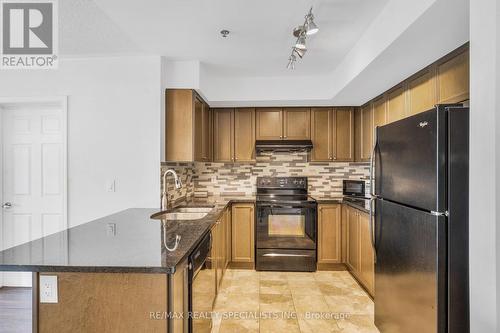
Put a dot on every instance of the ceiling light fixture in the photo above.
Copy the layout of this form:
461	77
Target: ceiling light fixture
224	33
301	32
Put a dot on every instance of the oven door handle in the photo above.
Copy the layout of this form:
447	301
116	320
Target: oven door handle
288	206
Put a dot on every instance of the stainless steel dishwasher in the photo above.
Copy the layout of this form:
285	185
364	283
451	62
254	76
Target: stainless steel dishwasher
202	283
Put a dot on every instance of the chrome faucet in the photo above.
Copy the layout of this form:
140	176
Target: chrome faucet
178	185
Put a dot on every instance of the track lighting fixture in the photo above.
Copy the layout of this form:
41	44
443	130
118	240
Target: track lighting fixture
301	32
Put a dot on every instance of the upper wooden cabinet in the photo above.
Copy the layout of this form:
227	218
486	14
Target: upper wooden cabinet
223	135
329	234
422	91
396	104
283	124
453	78
244	135
234	135
269	123
187	126
366	115
357	134
296	123
332	134
379	114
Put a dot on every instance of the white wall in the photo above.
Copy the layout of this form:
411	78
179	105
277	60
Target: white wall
113	129
484	164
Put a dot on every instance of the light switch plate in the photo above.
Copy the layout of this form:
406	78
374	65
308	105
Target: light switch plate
111	185
111	230
48	289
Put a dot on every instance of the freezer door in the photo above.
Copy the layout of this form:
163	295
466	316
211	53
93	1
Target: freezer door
410	161
410	273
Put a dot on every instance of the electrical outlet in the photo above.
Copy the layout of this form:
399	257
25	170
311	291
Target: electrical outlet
48	289
111	186
111	230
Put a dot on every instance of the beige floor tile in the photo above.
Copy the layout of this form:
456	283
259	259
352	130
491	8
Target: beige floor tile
304	287
243	285
352	305
310	303
276	303
237	302
358	324
274	287
239	326
300	276
318	325
279	325
273	276
239	273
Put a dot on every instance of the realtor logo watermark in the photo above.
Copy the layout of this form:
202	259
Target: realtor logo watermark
29	37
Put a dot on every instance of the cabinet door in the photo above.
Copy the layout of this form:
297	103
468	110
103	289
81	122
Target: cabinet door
242	233
357	135
353	255
269	124
379	114
343	140
219	250
322	134
329	234
206	132
396	104
422	91
453	79
367	264
223	135
198	129
366	132
228	235
244	135
180	297
297	123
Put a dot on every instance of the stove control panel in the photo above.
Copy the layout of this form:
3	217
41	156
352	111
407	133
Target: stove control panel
282	182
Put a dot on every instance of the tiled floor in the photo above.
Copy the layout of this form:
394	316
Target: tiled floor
251	301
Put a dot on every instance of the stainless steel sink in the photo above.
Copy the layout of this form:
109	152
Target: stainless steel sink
183	213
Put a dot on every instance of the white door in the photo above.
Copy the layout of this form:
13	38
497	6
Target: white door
33	177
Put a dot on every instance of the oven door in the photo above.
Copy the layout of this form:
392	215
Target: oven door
286	226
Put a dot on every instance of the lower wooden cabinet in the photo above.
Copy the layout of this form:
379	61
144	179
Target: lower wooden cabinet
360	258
221	241
329	234
242	249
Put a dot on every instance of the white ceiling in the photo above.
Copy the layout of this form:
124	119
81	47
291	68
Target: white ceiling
260	40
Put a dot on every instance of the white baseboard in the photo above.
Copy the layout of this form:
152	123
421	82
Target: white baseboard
17	279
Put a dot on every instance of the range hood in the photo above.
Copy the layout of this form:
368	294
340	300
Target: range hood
283	145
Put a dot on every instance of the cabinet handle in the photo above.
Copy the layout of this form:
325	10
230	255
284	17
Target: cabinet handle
334	157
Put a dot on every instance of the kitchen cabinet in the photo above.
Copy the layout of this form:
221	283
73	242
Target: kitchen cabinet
234	135
366	114
223	135
283	123
360	258
329	234
357	134
269	123
367	258
422	91
296	123
352	225
228	237
379	114
396	104
453	78
180	298
332	134
187	126
244	135
242	249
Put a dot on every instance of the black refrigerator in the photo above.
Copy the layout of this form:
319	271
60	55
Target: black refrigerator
420	196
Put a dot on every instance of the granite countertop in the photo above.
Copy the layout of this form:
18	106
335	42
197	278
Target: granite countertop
137	245
361	204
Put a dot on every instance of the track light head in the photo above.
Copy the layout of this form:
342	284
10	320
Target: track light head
301	42
311	27
291	62
299	52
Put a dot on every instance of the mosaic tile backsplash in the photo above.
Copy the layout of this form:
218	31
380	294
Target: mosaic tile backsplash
226	179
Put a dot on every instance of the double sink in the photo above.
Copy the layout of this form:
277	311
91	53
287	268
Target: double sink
183	213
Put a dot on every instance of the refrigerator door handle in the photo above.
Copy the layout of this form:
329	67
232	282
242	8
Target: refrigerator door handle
372	234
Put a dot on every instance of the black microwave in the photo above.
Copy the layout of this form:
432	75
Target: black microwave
354	187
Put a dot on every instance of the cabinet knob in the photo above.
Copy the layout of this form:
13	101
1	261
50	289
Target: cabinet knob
334	157
285	136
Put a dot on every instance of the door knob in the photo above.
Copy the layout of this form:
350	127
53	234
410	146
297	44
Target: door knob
7	205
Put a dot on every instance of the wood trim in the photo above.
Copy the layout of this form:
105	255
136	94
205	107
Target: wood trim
241	265
35	296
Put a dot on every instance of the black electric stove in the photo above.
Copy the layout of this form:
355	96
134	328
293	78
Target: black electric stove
286	226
